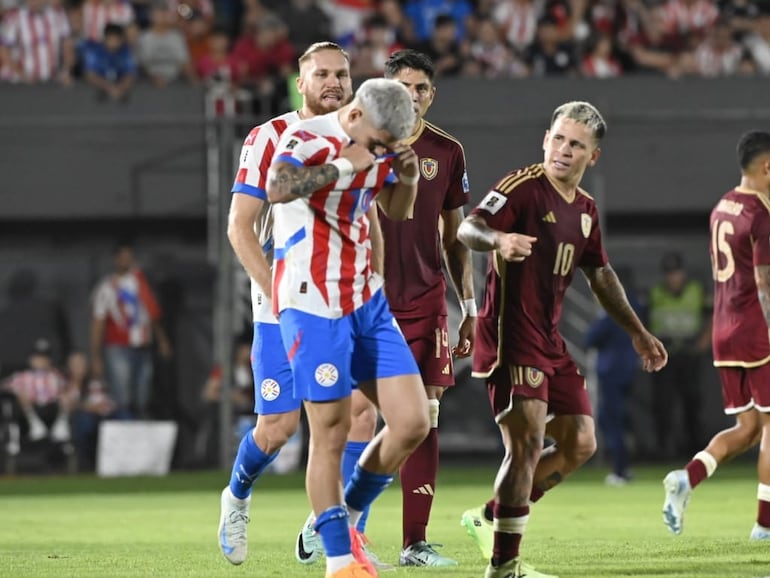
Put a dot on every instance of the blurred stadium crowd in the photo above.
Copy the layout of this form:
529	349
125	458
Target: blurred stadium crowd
251	45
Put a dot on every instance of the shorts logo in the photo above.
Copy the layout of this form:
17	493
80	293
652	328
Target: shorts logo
534	377
269	389
429	168
326	374
585	224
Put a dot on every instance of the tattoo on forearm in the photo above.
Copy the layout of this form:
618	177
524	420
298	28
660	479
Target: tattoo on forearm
302	181
612	296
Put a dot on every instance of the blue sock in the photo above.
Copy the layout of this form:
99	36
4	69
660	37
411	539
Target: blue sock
353	451
249	464
332	525
364	487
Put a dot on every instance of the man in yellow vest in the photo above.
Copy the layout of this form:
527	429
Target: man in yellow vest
679	316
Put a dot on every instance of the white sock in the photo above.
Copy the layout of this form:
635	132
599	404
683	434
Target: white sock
336	563
763	492
707	460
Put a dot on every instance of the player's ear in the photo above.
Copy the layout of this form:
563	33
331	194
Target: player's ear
595	156
300	82
545	138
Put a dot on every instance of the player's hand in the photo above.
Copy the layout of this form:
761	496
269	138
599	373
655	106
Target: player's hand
467	338
651	350
360	156
514	246
405	164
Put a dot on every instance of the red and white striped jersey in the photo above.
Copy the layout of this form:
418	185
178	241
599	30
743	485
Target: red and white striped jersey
518	21
35	41
679	17
98	13
323	250
39	386
256	154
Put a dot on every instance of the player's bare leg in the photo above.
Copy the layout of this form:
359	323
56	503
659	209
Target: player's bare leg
522	428
761	529
257	451
725	445
575	438
418	483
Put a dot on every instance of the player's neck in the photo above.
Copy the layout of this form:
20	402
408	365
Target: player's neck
566	190
751	184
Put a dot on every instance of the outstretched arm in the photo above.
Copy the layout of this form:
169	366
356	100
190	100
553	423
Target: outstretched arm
611	295
762	276
477	235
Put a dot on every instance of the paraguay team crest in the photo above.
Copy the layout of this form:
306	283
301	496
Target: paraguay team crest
269	389
585	224
326	374
429	168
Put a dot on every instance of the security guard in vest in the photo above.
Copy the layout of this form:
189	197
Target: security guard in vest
679	310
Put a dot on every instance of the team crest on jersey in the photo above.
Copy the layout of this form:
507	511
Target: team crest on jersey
429	168
269	389
534	376
326	374
585	224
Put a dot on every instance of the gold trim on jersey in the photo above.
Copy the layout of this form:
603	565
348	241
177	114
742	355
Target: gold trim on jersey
441	132
507	184
416	134
744	364
499	265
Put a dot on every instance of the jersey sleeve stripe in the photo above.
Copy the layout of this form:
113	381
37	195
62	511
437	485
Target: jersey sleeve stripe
286	158
250	190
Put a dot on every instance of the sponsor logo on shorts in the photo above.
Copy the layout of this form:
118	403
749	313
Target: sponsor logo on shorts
269	389
534	377
326	374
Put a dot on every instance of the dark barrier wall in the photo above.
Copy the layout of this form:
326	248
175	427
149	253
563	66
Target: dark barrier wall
670	146
64	154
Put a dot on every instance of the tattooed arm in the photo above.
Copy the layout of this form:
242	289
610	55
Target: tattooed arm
762	276
611	295
287	182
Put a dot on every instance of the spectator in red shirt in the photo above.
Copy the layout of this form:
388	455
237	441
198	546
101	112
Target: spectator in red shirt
266	59
125	323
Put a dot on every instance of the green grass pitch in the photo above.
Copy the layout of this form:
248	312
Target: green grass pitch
82	526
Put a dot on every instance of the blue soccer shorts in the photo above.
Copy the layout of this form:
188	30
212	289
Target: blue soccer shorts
329	357
273	381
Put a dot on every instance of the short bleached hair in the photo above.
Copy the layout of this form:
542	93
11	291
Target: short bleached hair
583	113
388	105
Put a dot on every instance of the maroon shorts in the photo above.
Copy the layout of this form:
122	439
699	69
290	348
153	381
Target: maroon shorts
745	387
428	338
563	388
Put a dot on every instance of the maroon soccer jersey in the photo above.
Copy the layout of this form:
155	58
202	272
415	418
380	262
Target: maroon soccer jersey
414	281
740	239
518	322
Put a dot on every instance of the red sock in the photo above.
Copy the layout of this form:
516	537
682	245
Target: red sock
696	471
536	494
489	510
763	515
418	483
507	543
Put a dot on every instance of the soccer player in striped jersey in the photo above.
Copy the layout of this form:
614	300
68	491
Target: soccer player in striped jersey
335	322
740	261
539	226
325	84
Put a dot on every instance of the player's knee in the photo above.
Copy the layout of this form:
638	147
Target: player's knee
583	448
274	430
